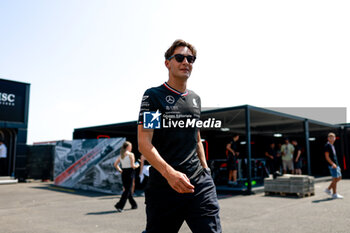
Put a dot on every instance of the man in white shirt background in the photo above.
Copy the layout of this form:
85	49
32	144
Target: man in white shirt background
287	150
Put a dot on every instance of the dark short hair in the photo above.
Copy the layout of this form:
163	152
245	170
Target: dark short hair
179	43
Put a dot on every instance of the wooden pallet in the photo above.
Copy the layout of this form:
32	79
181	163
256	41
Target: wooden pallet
285	194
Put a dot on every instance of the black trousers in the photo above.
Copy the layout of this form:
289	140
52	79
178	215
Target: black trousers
167	210
271	165
3	167
128	175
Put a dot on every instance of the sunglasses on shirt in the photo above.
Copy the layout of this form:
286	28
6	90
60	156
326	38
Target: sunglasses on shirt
180	58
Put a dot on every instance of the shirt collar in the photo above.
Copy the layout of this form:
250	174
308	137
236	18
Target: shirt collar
175	91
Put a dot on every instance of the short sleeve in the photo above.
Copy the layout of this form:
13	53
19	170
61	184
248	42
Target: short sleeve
147	105
200	103
283	148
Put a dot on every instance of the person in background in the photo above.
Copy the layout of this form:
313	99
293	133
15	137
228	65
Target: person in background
279	158
232	155
127	161
297	158
287	151
144	170
271	158
331	158
3	156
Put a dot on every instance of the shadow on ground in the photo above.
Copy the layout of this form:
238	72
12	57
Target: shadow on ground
79	192
107	212
323	200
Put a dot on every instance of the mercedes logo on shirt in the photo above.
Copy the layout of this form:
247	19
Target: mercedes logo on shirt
170	99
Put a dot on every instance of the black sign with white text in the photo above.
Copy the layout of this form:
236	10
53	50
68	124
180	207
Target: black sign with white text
12	101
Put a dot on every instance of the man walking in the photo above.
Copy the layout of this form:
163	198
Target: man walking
331	158
180	187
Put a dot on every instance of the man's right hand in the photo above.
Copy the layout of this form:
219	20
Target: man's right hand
179	182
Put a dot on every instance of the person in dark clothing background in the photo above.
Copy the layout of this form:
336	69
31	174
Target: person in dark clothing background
127	161
297	158
271	158
3	158
232	155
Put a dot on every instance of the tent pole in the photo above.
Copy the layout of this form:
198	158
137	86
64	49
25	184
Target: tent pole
249	156
307	146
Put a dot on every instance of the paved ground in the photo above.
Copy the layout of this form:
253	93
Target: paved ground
42	208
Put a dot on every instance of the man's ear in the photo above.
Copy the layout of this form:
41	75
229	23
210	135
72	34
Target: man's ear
167	64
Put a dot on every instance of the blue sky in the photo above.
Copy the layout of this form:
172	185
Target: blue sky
89	61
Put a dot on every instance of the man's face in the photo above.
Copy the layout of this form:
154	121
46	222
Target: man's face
331	139
182	69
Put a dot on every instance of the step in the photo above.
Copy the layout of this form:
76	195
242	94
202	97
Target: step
8	180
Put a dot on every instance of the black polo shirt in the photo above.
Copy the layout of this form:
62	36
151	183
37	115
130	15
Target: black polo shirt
176	142
297	148
272	152
234	147
332	153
